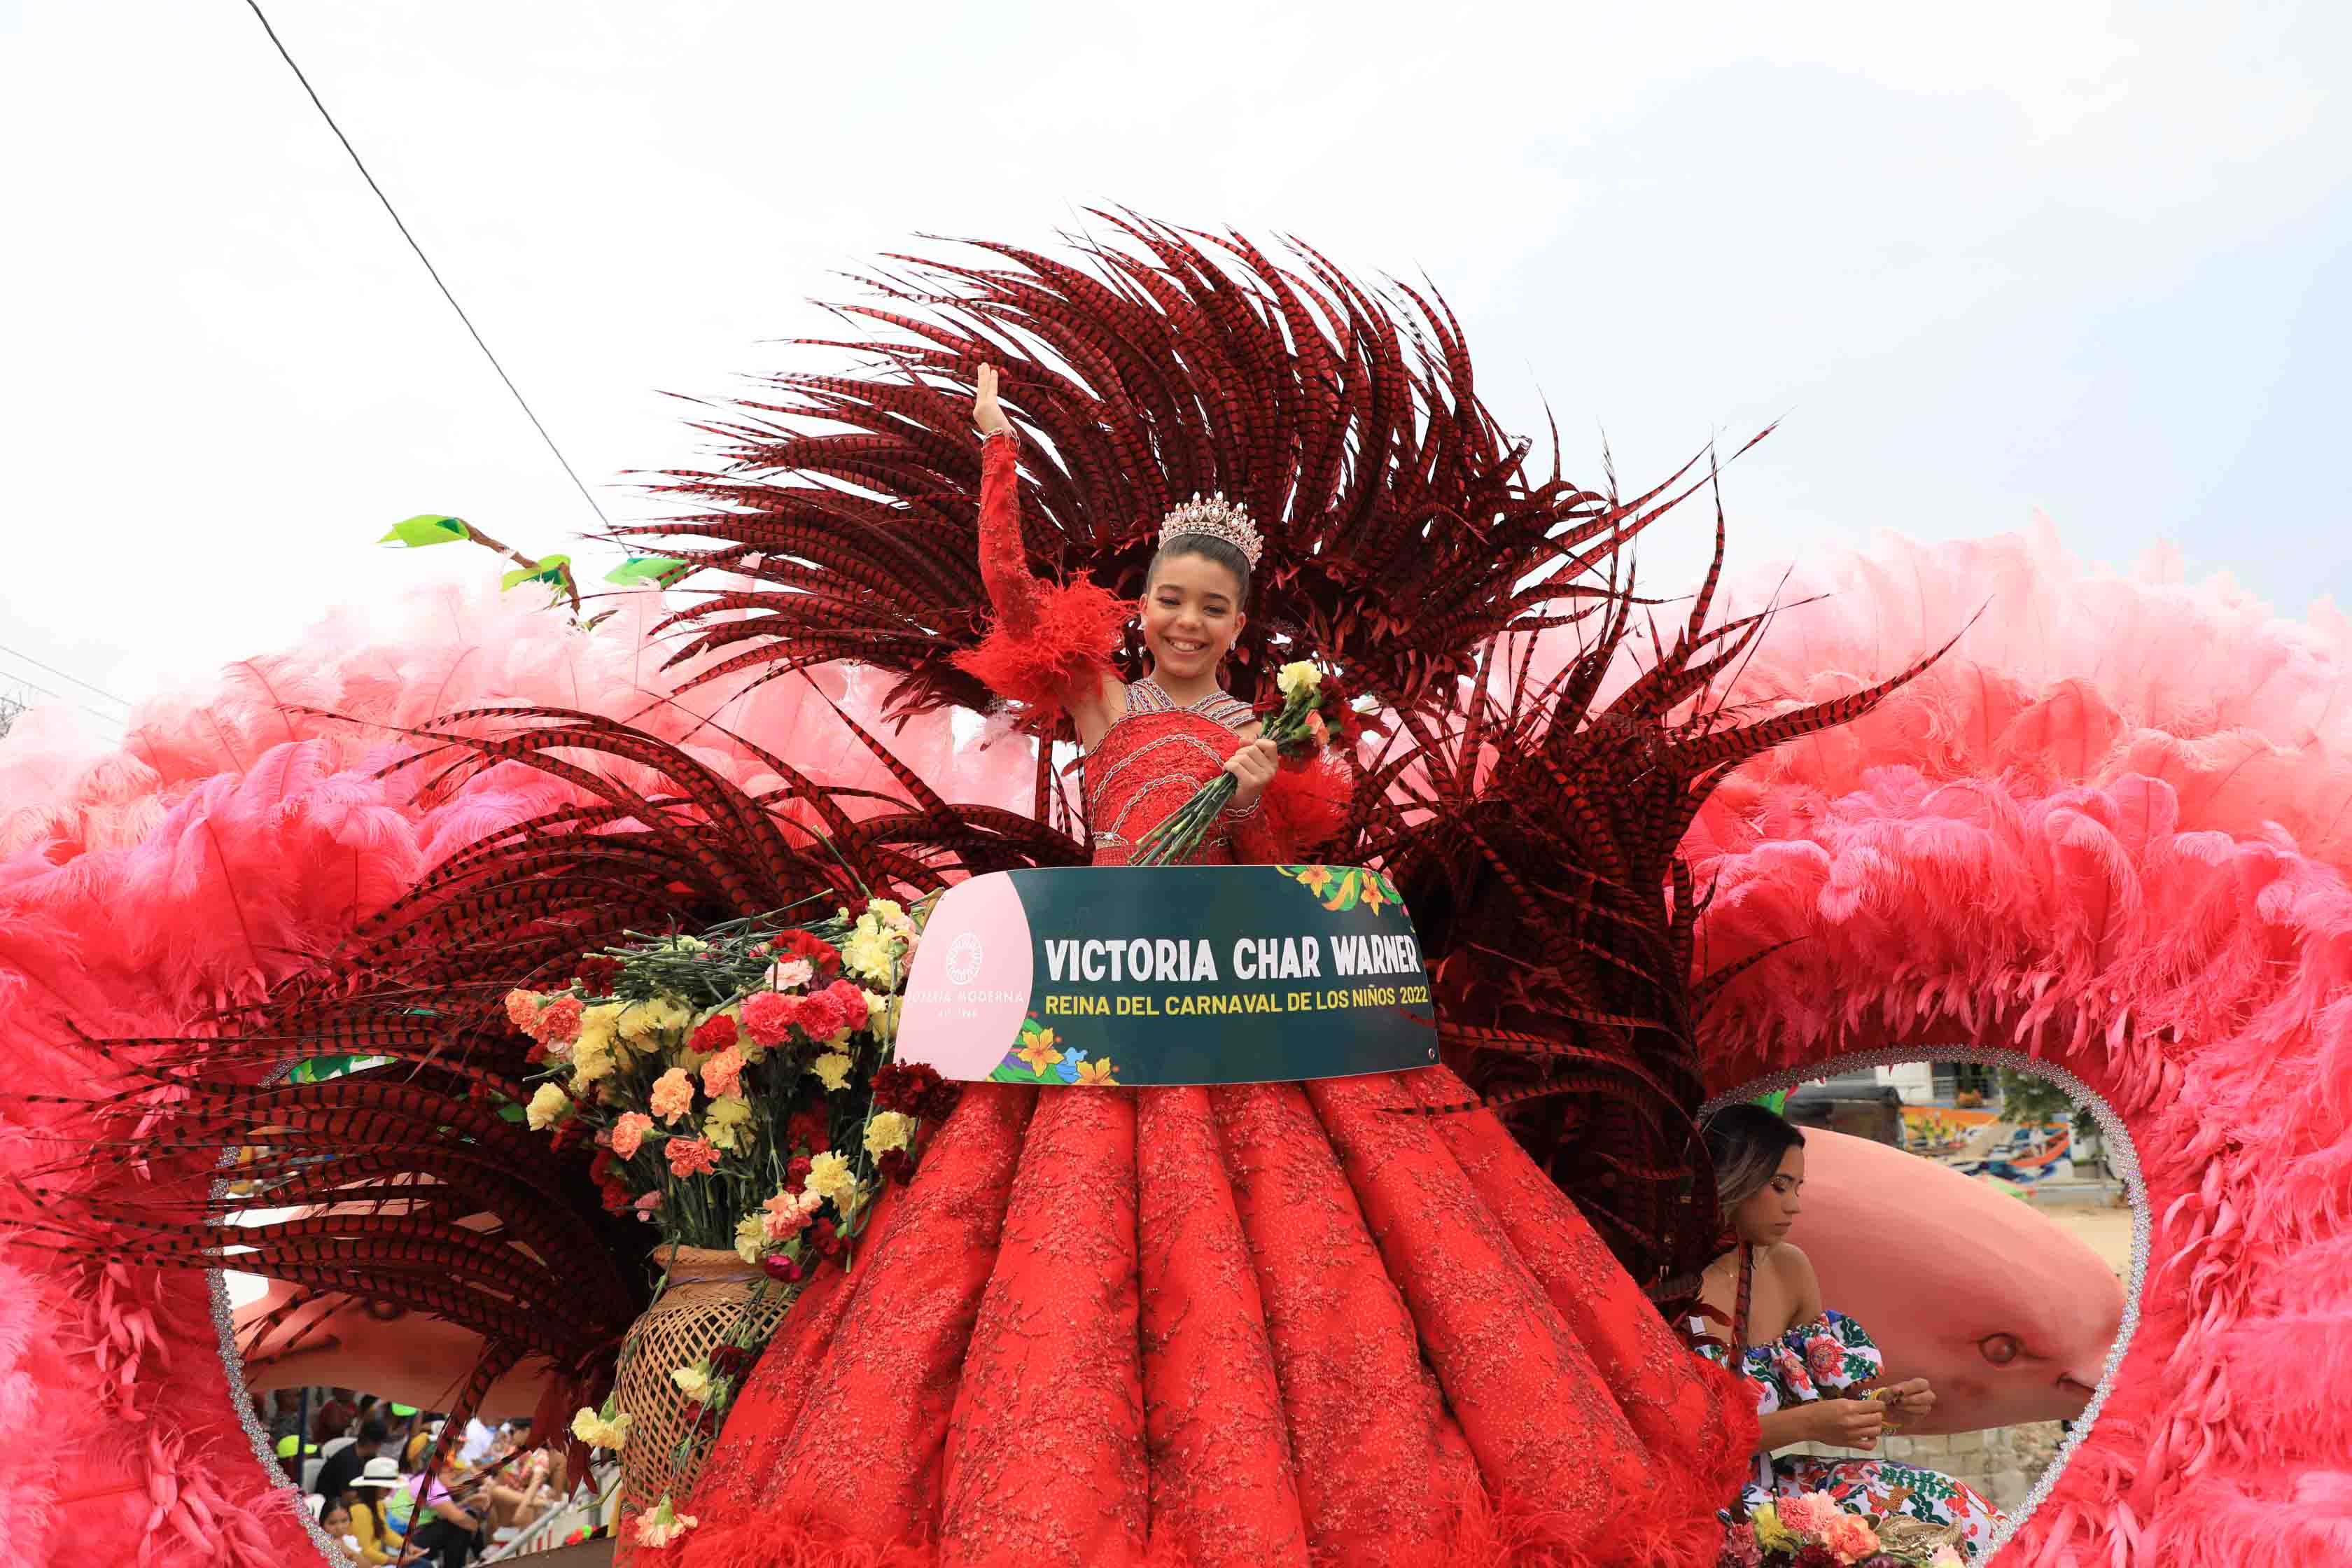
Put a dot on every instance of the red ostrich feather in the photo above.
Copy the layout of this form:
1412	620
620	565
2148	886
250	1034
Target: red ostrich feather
1402	528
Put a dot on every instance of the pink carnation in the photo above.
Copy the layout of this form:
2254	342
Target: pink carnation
1809	1514
723	1074
673	1095
523	1011
770	1017
782	1217
1850	1538
1824	1357
559	1021
790	974
692	1156
629	1133
1739	1548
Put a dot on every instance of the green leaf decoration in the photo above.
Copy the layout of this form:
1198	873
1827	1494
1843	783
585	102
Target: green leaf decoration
1777	1102
512	1112
319	1070
549	571
658	569
425	528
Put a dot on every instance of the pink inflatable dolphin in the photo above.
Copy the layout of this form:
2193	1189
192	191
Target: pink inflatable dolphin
2004	1312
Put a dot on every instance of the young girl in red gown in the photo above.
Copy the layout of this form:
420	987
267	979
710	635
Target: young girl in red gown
1226	1328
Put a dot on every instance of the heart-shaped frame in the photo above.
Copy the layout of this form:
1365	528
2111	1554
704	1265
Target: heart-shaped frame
2198	983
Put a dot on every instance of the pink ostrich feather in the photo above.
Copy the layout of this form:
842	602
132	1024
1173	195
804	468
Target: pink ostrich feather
2109	829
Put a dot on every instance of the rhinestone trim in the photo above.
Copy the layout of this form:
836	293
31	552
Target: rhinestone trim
331	1551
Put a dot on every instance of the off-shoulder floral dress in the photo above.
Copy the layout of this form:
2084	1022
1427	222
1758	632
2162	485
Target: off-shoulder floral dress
1834	1357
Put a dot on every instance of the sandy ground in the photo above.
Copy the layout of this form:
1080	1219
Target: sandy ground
2108	1231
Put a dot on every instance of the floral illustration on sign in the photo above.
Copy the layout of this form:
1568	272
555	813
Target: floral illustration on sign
1344	886
1041	1055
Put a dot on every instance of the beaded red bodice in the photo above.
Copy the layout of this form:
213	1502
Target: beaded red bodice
1151	761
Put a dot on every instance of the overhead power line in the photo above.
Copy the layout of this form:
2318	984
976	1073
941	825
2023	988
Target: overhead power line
393	213
64	675
59	696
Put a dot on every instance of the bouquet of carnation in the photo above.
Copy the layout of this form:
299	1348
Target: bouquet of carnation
1810	1530
1302	689
738	1087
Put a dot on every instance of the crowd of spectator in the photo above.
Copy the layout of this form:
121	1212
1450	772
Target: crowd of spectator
368	1472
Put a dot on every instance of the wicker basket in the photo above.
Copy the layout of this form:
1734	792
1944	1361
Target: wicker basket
708	1292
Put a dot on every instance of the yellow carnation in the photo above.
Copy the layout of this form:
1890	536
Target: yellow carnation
694	1382
591	1059
727	1120
830	1177
549	1105
886	911
833	1069
590	1428
1770	1533
591	1053
869	952
751	1236
1300	675
889	1129
645	1022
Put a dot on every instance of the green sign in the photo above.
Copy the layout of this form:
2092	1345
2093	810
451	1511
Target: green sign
1181	974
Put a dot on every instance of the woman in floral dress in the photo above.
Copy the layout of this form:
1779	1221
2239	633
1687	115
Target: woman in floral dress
1811	1364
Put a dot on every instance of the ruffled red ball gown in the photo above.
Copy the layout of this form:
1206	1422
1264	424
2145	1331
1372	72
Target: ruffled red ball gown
1270	1324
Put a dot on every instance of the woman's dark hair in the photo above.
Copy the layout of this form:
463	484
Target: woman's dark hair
1746	1143
1208	547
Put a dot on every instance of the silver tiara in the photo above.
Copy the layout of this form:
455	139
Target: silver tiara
1217	519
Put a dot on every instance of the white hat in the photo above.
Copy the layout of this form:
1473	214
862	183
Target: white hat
379	1473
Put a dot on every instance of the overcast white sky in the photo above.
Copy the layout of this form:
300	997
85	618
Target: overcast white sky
2089	257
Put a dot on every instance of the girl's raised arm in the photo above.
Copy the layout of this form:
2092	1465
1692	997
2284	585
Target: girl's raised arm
1050	645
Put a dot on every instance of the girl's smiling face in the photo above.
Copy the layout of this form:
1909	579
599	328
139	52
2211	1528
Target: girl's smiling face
1191	613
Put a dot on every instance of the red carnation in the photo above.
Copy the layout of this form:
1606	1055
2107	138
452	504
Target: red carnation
825	1239
797	1171
857	907
769	1016
840	1012
822	955
596	974
894	1166
731	1361
718	1033
901	1087
776	1266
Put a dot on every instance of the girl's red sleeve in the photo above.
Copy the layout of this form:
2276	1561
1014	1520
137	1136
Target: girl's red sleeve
1049	641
